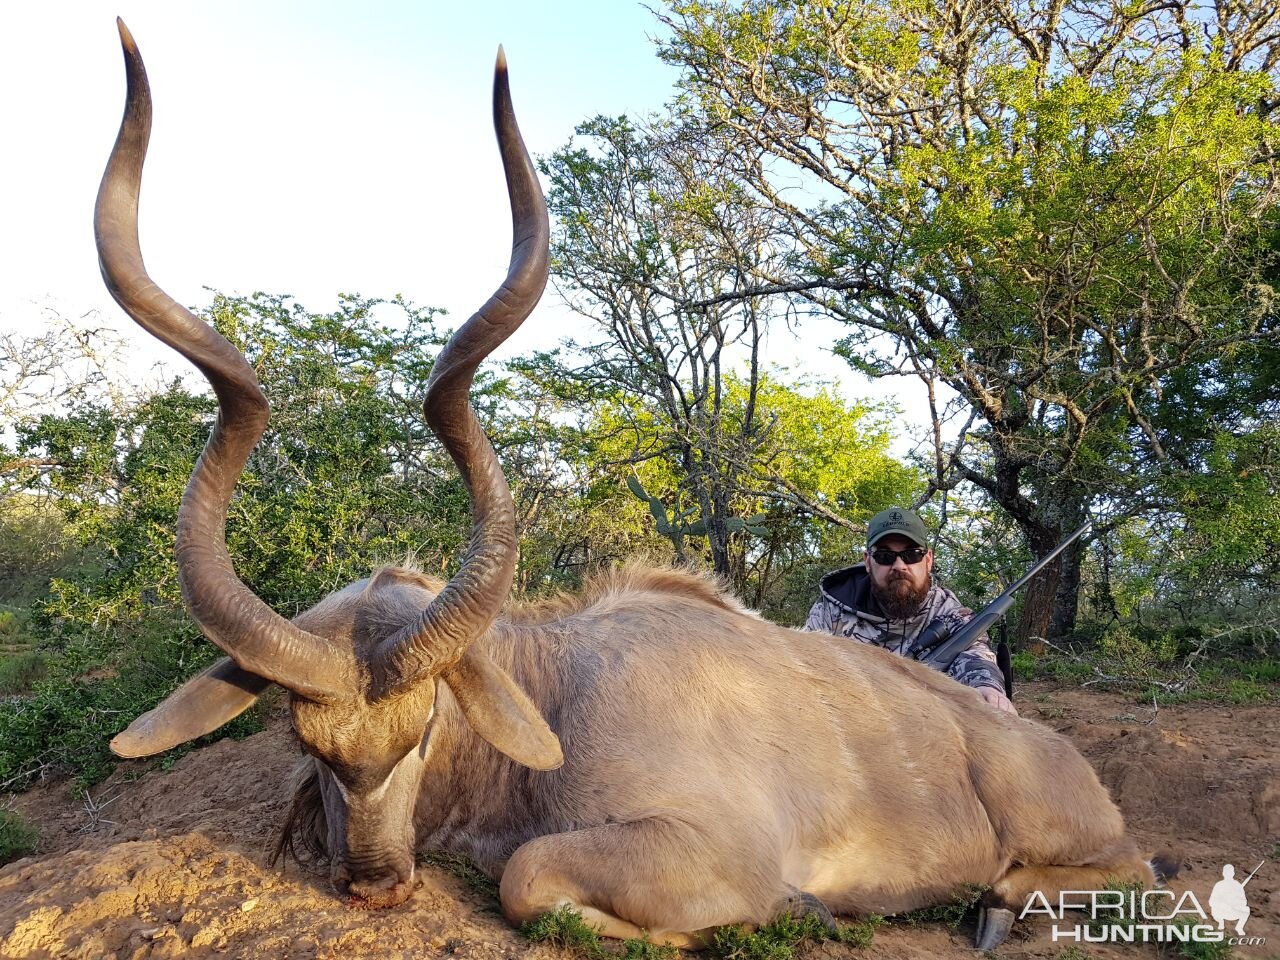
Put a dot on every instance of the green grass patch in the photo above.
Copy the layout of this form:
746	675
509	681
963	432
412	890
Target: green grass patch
19	672
1235	682
567	929
18	838
950	914
1262	671
1156	668
564	927
777	940
646	949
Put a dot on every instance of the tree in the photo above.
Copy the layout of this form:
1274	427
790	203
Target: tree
64	364
1050	209
646	224
819	457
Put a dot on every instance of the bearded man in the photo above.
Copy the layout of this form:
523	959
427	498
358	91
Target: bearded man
890	598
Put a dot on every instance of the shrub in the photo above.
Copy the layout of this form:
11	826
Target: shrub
18	838
19	672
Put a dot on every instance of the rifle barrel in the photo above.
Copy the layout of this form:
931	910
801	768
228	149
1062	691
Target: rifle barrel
1045	560
963	638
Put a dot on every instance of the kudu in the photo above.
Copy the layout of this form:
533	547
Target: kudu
710	767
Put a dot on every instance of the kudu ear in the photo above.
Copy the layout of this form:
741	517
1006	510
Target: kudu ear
211	698
501	713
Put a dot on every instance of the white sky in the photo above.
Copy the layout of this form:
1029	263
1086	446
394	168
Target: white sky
313	148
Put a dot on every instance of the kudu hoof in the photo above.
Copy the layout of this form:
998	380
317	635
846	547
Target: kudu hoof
994	924
801	904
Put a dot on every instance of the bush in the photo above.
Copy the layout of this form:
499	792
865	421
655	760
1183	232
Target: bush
20	671
18	838
98	685
1124	646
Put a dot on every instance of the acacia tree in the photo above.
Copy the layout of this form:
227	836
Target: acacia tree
1051	209
646	225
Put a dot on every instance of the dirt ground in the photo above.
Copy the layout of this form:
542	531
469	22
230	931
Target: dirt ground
174	863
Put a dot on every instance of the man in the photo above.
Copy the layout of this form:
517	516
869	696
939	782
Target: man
890	598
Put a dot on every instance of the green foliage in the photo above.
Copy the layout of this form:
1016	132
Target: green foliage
1120	645
345	478
653	236
778	939
20	671
18	838
1157	666
950	914
1076	234
38	545
683	522
564	927
1231	507
820	450
101	682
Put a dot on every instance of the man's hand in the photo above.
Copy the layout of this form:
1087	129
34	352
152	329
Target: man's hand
997	699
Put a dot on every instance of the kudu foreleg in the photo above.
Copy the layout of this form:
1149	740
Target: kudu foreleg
654	877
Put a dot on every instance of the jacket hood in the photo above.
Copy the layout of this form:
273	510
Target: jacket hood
850	590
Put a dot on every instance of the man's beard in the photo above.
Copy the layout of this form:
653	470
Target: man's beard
900	599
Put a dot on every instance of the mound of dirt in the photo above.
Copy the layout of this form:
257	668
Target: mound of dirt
174	863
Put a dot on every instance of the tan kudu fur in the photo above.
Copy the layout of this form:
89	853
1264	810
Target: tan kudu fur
706	767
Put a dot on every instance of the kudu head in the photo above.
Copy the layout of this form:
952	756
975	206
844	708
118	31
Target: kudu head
362	666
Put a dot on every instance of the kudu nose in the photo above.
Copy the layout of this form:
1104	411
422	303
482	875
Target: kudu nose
373	889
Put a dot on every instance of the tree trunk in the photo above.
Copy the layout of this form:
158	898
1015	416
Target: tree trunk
1037	605
718	538
1067	601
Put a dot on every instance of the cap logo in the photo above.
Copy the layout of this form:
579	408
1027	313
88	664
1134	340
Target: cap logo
895	517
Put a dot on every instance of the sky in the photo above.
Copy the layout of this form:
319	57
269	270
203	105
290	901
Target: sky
315	148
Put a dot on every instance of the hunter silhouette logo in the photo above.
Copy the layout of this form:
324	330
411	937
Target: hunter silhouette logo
1228	900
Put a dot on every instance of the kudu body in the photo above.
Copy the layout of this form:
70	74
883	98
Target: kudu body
710	767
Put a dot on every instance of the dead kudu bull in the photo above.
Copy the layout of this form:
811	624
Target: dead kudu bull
710	767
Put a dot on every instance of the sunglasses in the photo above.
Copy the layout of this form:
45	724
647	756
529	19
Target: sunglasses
886	557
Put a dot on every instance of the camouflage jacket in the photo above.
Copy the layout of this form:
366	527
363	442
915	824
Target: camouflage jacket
847	607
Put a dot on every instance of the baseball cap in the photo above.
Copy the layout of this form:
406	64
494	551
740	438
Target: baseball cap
897	522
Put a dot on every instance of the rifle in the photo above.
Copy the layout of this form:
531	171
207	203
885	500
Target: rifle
1250	876
938	646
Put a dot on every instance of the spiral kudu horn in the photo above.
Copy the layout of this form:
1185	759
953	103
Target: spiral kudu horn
257	638
466	607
